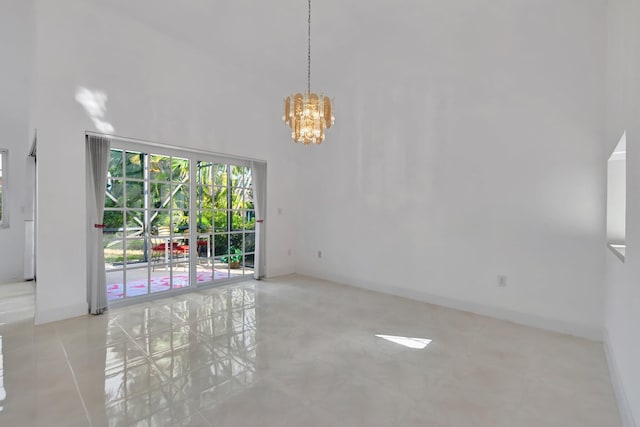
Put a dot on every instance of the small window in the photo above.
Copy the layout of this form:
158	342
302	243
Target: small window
617	198
4	213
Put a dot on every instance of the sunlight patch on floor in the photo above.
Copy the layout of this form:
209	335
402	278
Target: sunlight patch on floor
417	343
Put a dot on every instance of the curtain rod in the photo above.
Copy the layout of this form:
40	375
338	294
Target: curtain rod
171	147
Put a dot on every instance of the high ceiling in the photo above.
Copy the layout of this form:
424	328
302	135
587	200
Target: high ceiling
271	35
262	33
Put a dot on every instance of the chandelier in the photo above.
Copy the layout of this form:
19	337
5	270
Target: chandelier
308	114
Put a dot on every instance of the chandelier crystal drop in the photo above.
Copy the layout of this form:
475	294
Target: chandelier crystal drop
308	114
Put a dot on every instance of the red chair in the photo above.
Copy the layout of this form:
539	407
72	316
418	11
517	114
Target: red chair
159	251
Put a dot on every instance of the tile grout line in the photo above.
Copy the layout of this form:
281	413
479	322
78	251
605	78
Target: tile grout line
75	380
165	379
206	420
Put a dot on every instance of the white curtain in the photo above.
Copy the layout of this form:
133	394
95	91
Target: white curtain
259	177
98	149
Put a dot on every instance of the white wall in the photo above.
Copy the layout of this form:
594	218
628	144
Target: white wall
467	145
160	88
16	56
622	298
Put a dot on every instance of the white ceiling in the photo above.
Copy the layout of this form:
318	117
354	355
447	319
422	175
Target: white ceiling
271	35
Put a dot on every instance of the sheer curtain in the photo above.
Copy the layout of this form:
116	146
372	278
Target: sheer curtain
259	177
98	149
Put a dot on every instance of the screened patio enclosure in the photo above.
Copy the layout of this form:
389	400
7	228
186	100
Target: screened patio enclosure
175	219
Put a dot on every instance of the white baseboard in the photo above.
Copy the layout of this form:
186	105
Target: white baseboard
279	271
621	396
60	313
525	319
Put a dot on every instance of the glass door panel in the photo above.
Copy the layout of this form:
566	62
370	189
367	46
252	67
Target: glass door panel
204	221
115	288
248	269
137	279
224	200
146	239
160	277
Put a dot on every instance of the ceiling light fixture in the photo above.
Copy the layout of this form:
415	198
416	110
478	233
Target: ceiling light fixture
308	114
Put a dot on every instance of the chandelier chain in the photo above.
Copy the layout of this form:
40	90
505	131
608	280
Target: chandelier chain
309	51
308	115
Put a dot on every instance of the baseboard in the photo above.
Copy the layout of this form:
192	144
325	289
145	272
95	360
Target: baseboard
540	322
621	396
60	313
278	272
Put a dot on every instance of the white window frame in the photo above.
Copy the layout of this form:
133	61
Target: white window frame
4	166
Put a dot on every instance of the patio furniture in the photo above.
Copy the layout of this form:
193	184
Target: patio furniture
162	245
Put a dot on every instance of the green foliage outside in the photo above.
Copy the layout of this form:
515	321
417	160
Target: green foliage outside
236	258
224	201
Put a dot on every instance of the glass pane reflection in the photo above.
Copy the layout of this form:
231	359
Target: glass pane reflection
203	352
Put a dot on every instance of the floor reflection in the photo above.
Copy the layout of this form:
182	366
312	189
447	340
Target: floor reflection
180	355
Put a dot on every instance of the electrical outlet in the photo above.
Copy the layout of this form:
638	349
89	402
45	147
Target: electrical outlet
319	254
502	281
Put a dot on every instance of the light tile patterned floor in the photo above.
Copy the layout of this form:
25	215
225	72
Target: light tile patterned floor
298	352
17	302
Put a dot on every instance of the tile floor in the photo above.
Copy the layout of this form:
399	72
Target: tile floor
17	302
298	352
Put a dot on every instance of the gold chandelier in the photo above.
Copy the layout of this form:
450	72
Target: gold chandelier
308	114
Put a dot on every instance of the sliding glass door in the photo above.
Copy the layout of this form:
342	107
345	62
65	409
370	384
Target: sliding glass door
226	221
175	220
